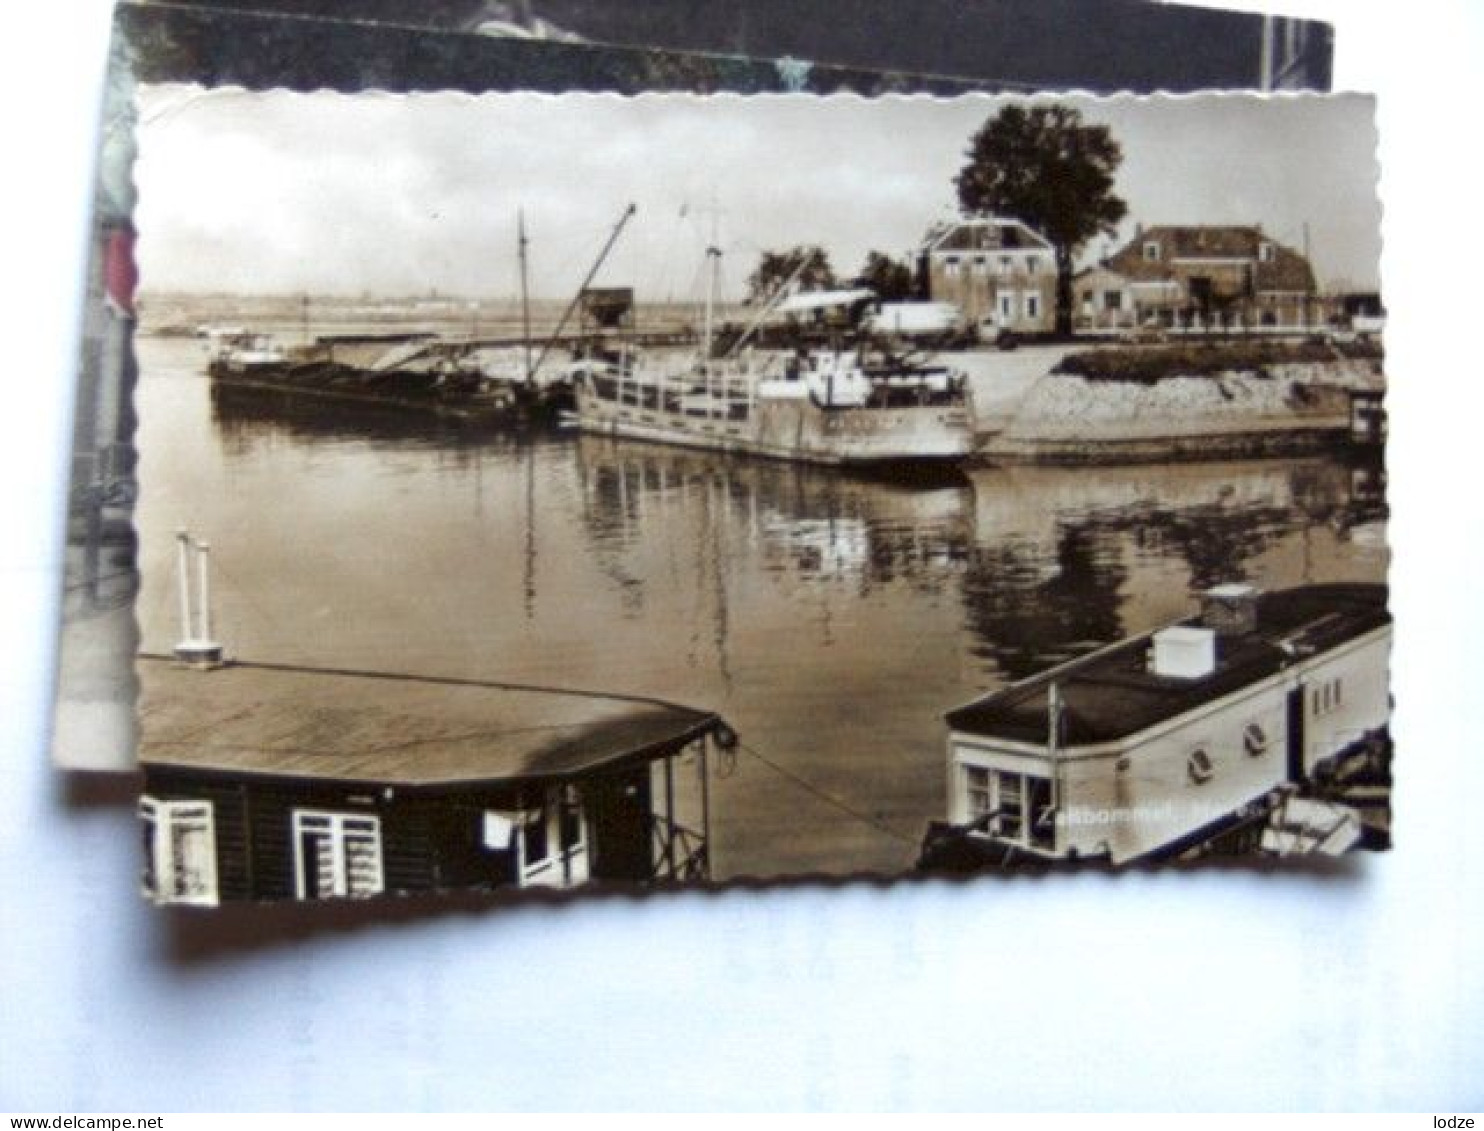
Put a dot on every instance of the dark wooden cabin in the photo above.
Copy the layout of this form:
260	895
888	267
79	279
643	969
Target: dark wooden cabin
266	783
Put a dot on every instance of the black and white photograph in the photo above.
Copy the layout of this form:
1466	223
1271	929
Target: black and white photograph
542	491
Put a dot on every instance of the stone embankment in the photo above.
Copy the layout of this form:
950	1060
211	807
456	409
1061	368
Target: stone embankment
1276	408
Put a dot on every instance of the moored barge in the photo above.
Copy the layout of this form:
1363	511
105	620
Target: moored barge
316	784
1260	725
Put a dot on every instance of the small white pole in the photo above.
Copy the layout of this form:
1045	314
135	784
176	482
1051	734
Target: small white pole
203	549
183	544
196	648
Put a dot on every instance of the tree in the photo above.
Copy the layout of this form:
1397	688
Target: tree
1043	166
775	268
891	279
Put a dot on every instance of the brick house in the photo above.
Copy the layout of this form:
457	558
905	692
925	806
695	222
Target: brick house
998	271
1207	275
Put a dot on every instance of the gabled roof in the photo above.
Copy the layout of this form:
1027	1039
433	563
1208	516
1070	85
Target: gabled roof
264	720
1111	694
986	233
1287	270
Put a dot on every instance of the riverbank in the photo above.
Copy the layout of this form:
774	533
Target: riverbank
1139	404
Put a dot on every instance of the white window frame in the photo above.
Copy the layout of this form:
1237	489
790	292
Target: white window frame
1151	251
169	823
339	828
1006	306
993	786
1266	252
1032	305
560	859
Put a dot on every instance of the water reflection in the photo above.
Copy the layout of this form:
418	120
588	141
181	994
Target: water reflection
1069	558
830	617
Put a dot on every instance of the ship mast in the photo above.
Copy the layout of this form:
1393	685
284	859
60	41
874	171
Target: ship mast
525	292
571	306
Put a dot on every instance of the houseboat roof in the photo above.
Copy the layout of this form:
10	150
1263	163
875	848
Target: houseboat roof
1112	694
276	721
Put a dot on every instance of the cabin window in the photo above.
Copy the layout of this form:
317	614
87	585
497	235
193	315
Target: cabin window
535	846
570	814
1200	766
1011	806
1255	739
1151	252
337	855
179	851
976	784
553	841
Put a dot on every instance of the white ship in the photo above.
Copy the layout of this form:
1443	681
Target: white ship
852	403
823	407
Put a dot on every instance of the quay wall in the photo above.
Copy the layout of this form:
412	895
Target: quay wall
1280	409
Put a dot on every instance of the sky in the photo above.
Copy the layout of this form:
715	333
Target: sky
325	193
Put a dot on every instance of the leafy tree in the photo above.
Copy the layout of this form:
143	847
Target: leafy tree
891	279
1042	165
775	268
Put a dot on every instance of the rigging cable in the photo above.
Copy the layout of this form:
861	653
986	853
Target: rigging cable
827	797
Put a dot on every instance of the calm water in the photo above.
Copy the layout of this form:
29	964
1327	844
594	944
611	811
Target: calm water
830	618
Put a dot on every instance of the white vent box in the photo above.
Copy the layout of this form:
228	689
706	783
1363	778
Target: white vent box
1184	652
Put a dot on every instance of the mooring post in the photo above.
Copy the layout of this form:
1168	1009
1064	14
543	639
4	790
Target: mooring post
203	549
196	647
183	546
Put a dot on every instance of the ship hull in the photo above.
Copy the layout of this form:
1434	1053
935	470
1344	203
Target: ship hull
794	429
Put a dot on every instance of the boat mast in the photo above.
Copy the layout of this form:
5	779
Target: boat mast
713	263
713	259
525	293
571	306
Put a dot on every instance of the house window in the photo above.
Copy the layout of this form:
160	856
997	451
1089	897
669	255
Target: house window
981	264
1011	806
1265	252
1007	265
950	266
1112	300
1151	252
179	851
1032	305
337	855
1007	309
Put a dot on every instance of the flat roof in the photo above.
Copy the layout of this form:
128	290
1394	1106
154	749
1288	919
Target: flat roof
372	728
1111	694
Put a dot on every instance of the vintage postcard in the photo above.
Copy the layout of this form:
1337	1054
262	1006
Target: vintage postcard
554	46
544	490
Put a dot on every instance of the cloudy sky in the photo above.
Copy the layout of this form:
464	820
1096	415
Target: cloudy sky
348	194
